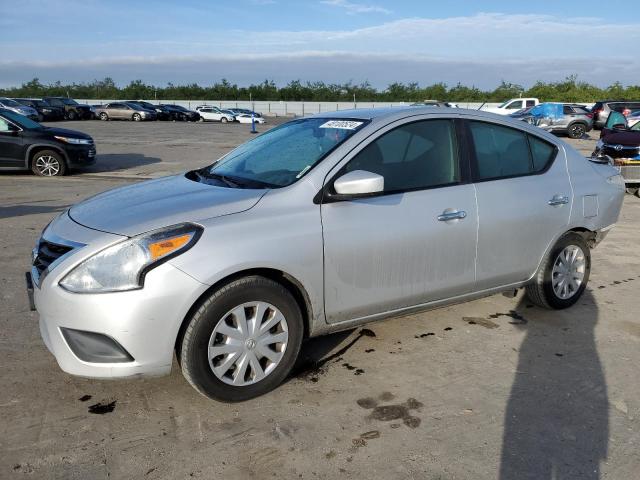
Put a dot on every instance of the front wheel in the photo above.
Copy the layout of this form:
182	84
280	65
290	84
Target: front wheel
136	117
577	130
242	341
563	274
71	115
224	120
103	116
48	163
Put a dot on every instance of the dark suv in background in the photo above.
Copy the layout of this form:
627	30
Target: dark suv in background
45	111
48	152
602	110
72	109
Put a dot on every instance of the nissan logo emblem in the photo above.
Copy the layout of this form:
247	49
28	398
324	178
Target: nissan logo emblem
617	148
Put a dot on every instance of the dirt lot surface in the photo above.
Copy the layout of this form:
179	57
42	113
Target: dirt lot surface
487	389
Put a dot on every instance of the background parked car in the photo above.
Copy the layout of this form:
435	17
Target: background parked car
18	108
45	111
601	110
513	105
124	111
565	118
211	113
72	109
240	111
246	118
48	152
434	103
161	112
633	118
621	143
181	114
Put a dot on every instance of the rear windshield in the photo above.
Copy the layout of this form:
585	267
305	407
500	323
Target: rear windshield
284	154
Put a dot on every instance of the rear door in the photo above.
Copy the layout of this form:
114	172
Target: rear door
524	200
411	244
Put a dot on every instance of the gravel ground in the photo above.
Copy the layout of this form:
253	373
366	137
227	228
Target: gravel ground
474	391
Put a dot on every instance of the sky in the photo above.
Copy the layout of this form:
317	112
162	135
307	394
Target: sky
476	43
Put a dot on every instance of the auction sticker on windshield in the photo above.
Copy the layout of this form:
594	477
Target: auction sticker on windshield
343	124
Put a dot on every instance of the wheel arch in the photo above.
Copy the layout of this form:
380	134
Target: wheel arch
33	149
294	287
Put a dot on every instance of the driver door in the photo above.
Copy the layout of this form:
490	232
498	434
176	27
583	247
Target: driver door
413	243
11	145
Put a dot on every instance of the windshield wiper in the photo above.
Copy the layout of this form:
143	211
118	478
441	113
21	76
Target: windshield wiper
204	173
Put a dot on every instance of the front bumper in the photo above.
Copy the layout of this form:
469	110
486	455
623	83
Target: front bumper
144	322
81	155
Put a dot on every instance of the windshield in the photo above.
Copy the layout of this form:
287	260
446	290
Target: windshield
21	120
284	154
69	101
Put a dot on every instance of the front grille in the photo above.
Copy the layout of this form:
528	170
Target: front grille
630	172
624	152
47	253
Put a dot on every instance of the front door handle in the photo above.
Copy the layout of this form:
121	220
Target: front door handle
558	200
448	215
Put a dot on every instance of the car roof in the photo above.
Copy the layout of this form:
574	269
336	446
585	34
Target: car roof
401	112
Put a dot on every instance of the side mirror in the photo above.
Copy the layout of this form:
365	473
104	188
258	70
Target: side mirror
359	182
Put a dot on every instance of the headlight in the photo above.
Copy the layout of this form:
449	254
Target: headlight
123	266
74	141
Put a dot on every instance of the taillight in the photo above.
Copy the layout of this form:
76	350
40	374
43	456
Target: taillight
590	115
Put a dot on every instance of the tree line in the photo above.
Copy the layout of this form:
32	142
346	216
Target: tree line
568	90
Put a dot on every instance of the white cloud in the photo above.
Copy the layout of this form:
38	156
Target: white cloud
353	8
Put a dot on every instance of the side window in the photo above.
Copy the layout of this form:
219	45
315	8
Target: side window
567	110
531	103
517	105
417	155
500	151
542	153
4	125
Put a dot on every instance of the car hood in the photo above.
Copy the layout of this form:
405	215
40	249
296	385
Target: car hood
153	204
63	132
623	138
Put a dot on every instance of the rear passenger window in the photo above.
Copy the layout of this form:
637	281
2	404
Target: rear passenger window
500	151
542	153
413	156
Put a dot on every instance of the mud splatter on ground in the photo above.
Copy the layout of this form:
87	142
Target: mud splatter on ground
388	413
102	408
483	322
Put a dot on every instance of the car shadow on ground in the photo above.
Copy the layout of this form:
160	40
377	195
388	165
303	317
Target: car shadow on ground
28	208
557	420
317	352
111	162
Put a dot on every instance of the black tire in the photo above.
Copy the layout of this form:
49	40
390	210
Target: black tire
71	115
104	116
224	120
576	130
638	192
632	190
136	117
48	163
193	349
541	291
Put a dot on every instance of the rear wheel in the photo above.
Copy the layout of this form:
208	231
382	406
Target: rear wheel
242	341
224	120
563	274
577	130
48	163
71	115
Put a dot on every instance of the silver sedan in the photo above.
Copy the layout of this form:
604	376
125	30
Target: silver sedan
317	225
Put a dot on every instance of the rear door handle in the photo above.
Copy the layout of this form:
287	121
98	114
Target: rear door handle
558	200
452	215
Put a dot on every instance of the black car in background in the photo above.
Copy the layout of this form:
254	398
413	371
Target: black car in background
601	110
48	152
72	109
48	113
178	113
161	112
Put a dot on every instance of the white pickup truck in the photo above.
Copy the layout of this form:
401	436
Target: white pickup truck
512	105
